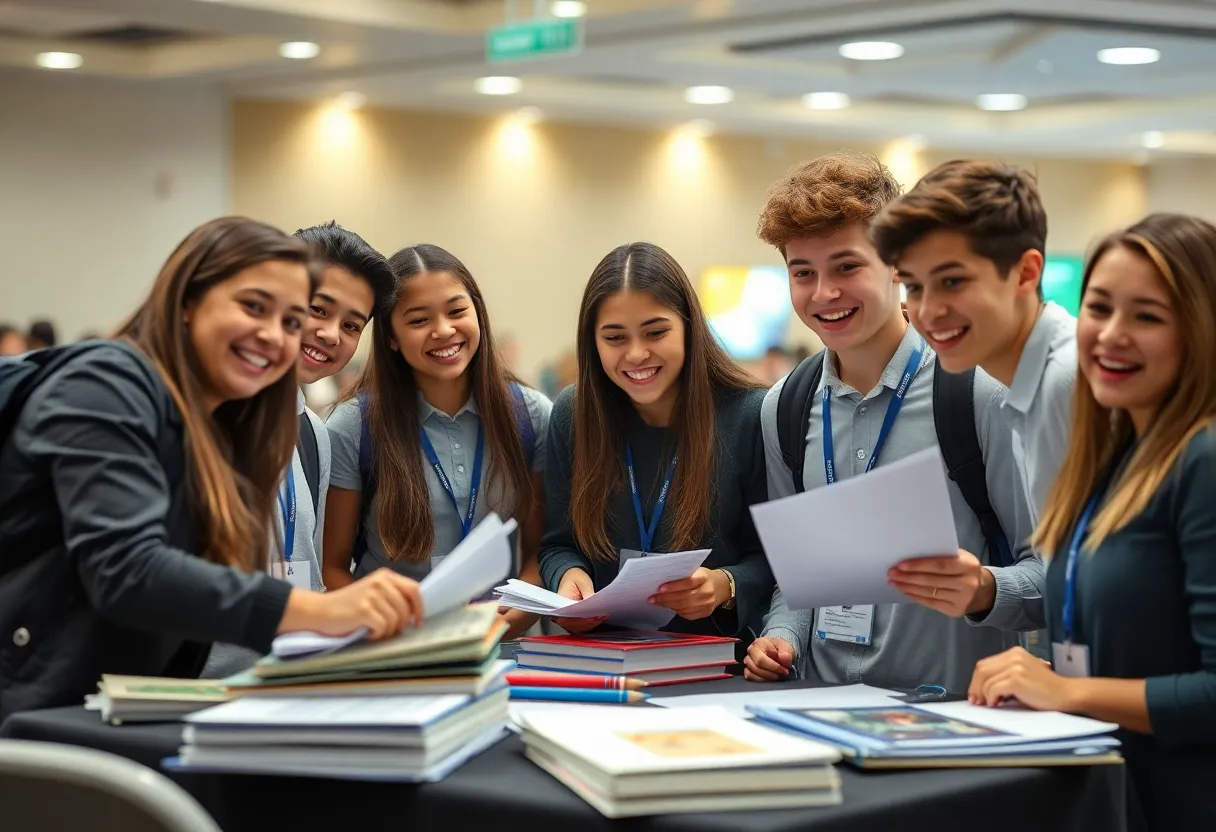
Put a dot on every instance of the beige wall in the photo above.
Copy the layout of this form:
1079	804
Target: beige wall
531	209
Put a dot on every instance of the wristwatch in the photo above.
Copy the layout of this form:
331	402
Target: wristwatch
729	604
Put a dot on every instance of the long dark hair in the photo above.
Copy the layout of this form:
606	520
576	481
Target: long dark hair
236	456
601	408
406	526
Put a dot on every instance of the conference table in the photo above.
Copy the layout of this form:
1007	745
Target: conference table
501	790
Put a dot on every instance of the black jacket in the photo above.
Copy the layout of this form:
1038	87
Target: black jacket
97	541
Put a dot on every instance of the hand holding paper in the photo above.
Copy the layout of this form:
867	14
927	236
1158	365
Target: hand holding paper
827	547
625	601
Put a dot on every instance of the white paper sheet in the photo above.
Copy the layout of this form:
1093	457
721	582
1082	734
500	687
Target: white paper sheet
477	563
625	601
520	709
1023	722
832	546
776	696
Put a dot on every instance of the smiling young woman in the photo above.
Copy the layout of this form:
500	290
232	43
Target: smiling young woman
138	482
1131	589
658	400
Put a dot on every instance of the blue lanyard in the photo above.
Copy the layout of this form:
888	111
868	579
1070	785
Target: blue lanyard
897	402
466	519
288	504
1070	569
645	535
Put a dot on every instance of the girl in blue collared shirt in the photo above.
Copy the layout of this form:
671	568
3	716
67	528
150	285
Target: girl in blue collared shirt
438	434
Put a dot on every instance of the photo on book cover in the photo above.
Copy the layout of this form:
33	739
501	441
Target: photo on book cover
899	724
690	743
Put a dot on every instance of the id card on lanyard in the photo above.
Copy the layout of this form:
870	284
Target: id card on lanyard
855	624
646	533
297	573
1067	658
466	518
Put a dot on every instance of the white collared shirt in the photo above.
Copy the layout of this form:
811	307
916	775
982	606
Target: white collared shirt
1039	405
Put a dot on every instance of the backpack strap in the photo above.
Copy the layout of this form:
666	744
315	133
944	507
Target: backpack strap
367	474
523	422
794	407
310	460
954	420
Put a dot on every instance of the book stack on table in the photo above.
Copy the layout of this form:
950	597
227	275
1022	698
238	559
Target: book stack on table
628	762
653	658
408	708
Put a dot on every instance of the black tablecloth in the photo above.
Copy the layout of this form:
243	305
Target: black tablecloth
502	790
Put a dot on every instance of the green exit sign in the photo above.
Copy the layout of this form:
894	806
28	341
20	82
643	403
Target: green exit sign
534	39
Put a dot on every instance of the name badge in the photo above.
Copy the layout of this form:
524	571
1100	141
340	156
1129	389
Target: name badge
630	554
854	624
298	573
1071	660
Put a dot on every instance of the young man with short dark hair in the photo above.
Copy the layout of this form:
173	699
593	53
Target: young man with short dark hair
968	243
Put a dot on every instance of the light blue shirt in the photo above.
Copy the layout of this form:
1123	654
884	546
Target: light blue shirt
1040	402
910	644
455	443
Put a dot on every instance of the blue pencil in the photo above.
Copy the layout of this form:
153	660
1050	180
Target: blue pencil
577	695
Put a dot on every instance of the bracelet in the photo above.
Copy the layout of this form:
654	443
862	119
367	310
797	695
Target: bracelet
729	604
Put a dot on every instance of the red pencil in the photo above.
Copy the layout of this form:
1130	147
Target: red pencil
573	680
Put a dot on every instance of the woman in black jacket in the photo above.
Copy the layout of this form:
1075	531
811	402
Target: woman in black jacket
140	479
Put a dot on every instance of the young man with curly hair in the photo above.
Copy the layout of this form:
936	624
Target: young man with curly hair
876	390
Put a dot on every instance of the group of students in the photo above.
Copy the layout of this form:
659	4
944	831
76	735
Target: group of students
147	525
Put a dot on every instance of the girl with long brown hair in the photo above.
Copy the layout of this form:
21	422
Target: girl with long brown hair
138	481
437	434
659	403
1131	523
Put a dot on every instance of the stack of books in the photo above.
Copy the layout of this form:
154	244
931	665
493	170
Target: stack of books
951	735
629	762
654	658
408	708
153	699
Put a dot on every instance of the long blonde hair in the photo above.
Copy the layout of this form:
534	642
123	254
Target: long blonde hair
1183	249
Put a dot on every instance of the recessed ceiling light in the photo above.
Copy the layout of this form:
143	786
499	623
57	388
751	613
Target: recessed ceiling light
59	60
350	100
826	100
498	85
568	8
1001	101
709	95
1129	55
1153	139
871	50
299	50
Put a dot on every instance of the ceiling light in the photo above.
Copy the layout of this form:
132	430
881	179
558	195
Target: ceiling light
709	95
568	8
1153	139
59	60
1001	102
826	100
350	100
1129	55
498	85
299	50
871	50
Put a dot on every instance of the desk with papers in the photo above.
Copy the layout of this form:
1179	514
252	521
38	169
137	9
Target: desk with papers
501	790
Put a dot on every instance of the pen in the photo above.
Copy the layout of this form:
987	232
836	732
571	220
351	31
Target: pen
573	680
578	695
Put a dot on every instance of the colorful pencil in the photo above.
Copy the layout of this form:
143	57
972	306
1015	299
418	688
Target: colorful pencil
573	680
621	697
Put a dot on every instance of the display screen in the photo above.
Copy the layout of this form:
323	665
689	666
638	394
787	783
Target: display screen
748	307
